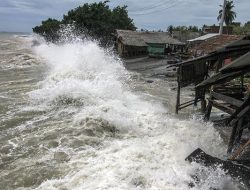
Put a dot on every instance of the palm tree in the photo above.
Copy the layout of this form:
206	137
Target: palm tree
170	29
230	15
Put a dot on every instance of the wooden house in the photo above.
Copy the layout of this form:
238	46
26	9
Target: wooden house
156	49
215	29
156	44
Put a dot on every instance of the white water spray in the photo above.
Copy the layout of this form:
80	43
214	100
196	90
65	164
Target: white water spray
147	147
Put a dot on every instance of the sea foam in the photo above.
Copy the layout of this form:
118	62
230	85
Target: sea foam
137	144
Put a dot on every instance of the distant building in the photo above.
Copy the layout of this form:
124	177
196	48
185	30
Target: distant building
215	29
155	44
213	43
184	36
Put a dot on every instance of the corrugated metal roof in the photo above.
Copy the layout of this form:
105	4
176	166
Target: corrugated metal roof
134	38
204	37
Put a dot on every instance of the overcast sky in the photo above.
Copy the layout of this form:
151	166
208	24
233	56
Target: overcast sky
22	15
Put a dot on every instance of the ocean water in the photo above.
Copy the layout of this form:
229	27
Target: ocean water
72	117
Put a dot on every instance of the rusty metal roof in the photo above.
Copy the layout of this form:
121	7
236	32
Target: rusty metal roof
214	43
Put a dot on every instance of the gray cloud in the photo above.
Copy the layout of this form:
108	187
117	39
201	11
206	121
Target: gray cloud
22	15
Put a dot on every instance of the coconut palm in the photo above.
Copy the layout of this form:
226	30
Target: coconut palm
230	15
170	29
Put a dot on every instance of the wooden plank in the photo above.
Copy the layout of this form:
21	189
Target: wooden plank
227	99
191	101
222	107
238	116
186	105
241	110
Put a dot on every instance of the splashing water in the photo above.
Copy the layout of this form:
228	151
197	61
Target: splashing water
96	132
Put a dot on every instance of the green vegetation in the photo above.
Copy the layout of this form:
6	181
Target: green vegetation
48	29
230	15
96	20
242	30
183	29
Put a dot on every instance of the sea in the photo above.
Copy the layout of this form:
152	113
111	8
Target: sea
72	117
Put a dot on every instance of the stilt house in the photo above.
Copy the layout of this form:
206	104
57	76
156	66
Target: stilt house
155	44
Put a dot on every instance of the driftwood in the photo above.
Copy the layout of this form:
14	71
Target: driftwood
233	169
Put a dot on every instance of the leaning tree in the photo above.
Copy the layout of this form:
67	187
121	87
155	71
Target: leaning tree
230	15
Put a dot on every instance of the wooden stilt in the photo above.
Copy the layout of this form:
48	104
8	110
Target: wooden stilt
178	92
231	143
203	105
208	110
239	131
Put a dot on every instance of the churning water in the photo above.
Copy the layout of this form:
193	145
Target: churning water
73	118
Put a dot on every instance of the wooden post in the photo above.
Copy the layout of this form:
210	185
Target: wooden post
242	83
203	106
209	106
232	140
239	131
208	110
219	64
178	91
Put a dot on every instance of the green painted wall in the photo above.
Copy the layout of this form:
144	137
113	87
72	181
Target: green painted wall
156	50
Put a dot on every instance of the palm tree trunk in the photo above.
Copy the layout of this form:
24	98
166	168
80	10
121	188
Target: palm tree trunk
222	17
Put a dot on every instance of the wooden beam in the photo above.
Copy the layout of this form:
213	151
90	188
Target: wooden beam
227	99
186	105
241	111
222	107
